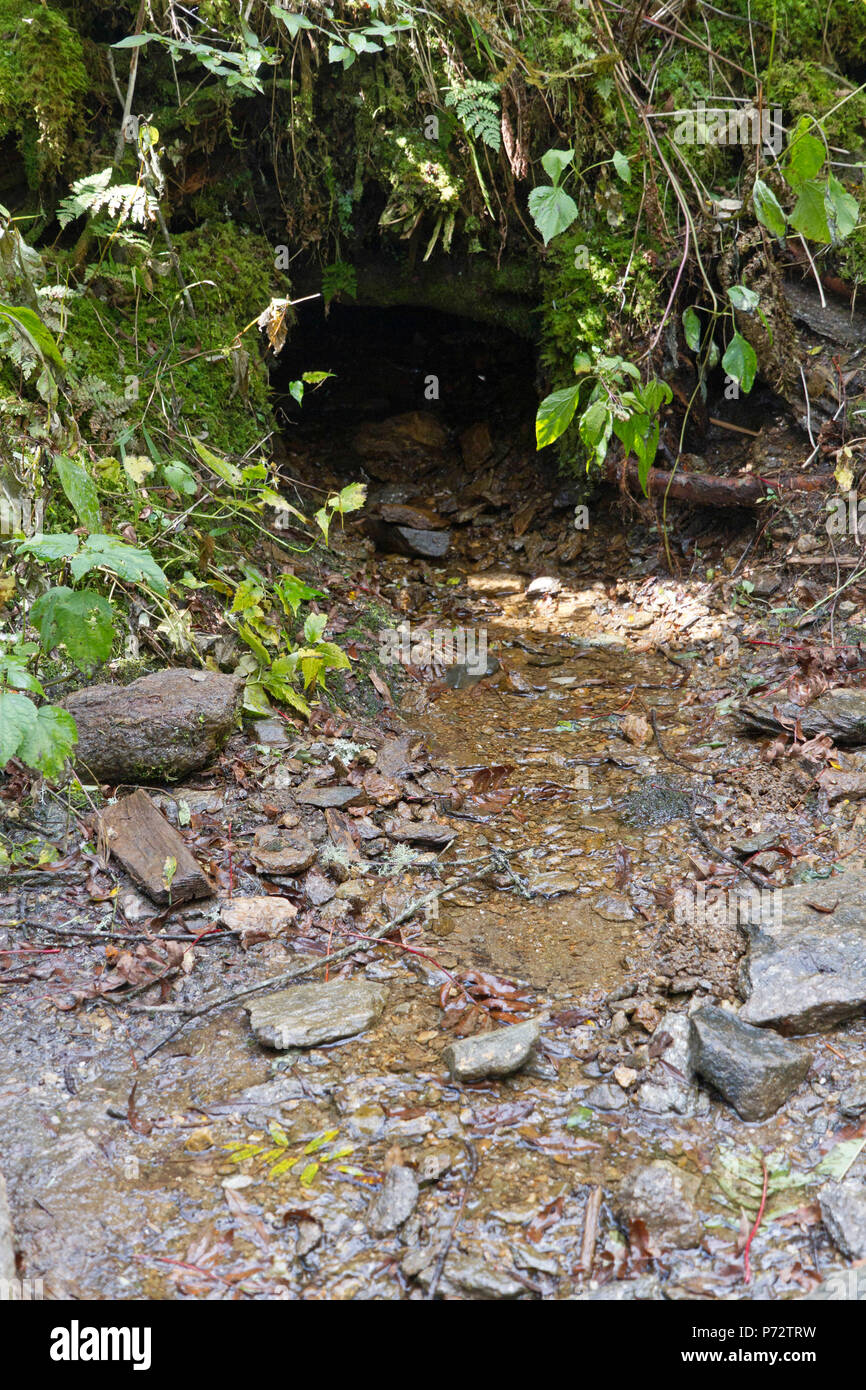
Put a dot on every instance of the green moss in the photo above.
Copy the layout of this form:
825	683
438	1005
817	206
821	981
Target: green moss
42	84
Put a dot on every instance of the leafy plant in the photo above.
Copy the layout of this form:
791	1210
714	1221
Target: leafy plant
551	208
612	400
477	107
43	736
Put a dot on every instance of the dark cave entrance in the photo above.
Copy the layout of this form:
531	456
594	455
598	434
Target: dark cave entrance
389	361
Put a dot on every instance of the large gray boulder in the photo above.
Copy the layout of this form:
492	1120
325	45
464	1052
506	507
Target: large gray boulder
806	966
752	1068
159	729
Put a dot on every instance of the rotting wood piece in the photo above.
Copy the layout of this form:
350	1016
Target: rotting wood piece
153	854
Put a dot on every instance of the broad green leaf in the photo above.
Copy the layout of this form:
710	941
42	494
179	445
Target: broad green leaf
254	643
351	498
622	166
126	561
138	467
293	22
810	213
256	699
321	1141
743	298
596	426
17	722
555	414
552	210
692	329
80	490
554	162
314	626
49	741
805	155
740	361
79	619
59	546
180	478
292	592
843	211
17	677
134	41
333	657
768	209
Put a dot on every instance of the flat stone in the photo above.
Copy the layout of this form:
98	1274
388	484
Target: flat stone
606	1097
843	1211
841	713
258	917
311	1014
499	1053
394	1203
806	970
550	885
159	728
282	851
318	889
330	798
662	1196
463	675
472	1275
753	1069
420	832
407	514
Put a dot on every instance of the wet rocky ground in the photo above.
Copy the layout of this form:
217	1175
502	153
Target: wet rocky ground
540	975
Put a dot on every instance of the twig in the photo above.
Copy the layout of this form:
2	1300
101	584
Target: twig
678	762
449	1239
590	1231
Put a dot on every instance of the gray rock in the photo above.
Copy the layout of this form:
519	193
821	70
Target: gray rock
158	729
408	540
753	1069
852	1101
310	1014
330	798
843	1210
499	1053
671	1087
841	713
806	969
465	674
473	1276
662	1196
282	851
420	832
606	1097
394	1203
645	1289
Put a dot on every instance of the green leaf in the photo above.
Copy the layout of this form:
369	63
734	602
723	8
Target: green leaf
805	155
79	619
292	592
743	298
80	491
622	166
126	561
810	213
836	1163
692	329
293	22
596	426
134	41
740	361
49	741
220	466
180	478
554	162
552	210
35	331
314	626
15	675
555	414
17	722
59	546
351	498
843	211
768	209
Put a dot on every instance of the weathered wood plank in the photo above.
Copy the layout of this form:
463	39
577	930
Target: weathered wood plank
139	835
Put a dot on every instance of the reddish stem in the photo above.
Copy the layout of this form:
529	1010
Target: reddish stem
747	1270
